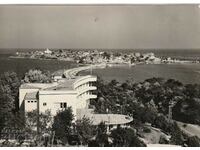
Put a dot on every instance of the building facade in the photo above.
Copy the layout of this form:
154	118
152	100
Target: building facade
75	92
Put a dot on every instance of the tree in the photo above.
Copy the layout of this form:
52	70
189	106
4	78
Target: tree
193	141
9	84
37	76
102	137
106	55
162	122
125	137
5	110
45	121
113	83
38	124
118	136
11	80
6	106
85	130
176	135
62	124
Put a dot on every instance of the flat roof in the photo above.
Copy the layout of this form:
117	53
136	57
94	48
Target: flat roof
31	96
64	84
36	85
108	119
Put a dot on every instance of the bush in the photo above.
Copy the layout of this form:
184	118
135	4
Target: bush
126	137
193	141
146	130
184	125
177	136
163	140
93	143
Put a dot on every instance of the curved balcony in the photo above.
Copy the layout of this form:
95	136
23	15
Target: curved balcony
87	96
84	80
86	89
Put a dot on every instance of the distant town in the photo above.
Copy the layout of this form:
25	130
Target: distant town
99	57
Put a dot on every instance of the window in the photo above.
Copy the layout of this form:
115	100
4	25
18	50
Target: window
31	101
44	104
63	105
35	101
28	101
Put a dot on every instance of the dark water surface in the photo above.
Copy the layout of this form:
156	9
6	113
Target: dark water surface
21	65
186	73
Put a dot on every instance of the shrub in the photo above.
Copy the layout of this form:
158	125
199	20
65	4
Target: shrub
193	141
146	130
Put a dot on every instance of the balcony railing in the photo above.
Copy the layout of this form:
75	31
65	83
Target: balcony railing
85	89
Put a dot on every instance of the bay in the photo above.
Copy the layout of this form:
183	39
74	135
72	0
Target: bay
22	65
186	73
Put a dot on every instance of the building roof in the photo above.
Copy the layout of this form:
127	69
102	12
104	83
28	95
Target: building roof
31	96
63	84
58	73
37	85
108	119
28	86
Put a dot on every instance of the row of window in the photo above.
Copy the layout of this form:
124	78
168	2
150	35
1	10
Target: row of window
32	101
62	105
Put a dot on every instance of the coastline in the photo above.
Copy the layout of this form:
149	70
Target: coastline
71	73
20	57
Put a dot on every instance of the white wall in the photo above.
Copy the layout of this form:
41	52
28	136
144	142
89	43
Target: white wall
77	98
30	106
82	87
22	93
54	98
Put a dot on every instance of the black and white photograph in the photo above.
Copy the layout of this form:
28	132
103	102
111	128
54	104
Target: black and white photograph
100	75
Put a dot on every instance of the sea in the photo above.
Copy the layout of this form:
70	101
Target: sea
186	73
22	65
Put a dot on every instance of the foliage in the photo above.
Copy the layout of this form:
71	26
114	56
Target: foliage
7	106
193	141
9	84
177	136
125	137
161	122
37	76
187	110
11	80
102	137
146	130
85	130
62	124
93	143
146	99
41	121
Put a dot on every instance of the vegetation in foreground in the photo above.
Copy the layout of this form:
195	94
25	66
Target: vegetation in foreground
147	102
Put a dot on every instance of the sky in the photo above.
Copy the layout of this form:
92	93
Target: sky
102	26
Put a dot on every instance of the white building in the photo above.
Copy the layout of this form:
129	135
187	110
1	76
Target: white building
58	95
47	51
75	93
